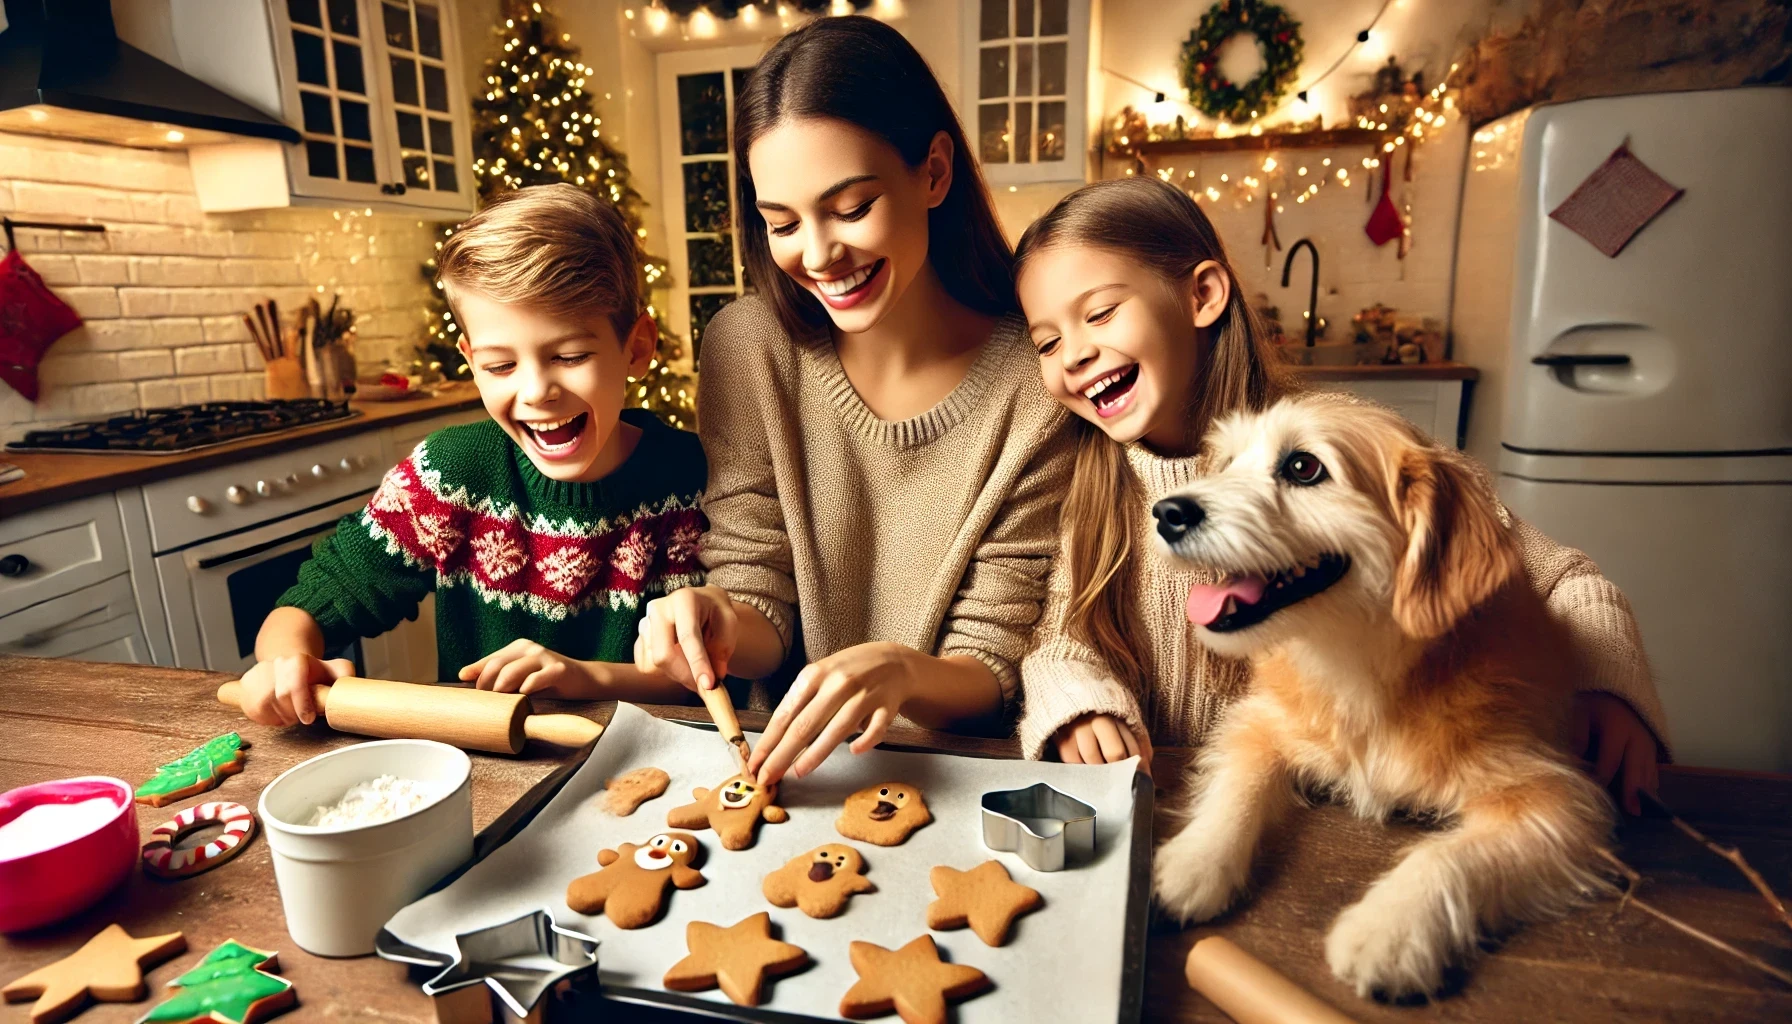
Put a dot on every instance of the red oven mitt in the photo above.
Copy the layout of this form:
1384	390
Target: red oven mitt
31	319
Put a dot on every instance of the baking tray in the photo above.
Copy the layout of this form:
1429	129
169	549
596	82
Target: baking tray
1081	956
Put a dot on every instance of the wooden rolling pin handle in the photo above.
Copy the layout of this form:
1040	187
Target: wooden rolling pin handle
1249	990
561	730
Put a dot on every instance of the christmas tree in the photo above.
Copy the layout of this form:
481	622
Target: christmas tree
535	125
232	983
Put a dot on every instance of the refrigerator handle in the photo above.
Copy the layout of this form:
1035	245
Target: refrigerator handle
1581	360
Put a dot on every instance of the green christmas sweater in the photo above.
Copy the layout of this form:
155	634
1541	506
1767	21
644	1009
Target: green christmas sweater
510	553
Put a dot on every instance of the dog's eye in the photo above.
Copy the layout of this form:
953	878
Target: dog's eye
1303	468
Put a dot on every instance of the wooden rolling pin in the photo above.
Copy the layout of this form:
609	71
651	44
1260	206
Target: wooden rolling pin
459	716
1249	990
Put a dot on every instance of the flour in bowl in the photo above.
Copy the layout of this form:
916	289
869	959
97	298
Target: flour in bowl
374	801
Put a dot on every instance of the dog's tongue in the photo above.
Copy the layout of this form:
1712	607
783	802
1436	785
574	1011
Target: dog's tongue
1205	600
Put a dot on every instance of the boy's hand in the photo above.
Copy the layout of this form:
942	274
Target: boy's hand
863	686
277	691
524	666
689	635
1610	736
1102	739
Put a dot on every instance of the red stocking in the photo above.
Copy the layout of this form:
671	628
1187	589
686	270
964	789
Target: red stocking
31	319
1384	221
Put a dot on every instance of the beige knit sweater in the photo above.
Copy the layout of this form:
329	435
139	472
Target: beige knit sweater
936	532
1189	686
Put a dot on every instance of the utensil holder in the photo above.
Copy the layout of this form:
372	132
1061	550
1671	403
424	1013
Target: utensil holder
286	378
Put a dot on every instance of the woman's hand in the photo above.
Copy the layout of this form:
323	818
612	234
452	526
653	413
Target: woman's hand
1610	736
1102	739
690	634
524	666
862	687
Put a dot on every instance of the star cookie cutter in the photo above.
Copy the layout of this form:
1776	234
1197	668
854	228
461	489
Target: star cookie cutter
1009	814
519	960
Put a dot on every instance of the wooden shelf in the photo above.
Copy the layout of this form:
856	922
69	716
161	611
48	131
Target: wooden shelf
1328	139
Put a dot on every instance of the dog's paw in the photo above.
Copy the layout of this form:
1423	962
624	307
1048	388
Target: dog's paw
1390	949
1195	882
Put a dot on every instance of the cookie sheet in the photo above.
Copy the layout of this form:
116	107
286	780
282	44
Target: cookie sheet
1078	957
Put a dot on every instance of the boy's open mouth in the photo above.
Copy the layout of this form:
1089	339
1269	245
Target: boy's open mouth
847	292
1243	601
556	437
1110	393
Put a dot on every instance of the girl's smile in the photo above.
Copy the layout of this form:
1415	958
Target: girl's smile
1112	392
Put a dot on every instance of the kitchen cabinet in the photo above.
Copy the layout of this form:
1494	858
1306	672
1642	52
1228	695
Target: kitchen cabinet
96	623
58	550
1434	406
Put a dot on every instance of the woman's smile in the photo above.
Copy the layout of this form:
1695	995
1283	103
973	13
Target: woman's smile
848	290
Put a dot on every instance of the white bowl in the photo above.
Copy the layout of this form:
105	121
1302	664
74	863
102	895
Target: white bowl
338	885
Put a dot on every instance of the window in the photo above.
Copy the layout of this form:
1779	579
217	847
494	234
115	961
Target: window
329	60
419	75
1026	67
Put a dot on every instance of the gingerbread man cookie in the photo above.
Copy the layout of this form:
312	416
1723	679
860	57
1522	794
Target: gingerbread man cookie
885	814
819	882
984	898
734	809
630	790
631	887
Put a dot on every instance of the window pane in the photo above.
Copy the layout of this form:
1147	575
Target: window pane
1023	132
320	159
441	137
1054	17
357	162
435	88
343	19
319	119
404	81
993	21
429	30
416	170
706	207
446	181
1051	131
704	307
1023	69
992	78
1051	69
398	26
349	77
711	261
702	114
308	53
410	130
992	133
355	122
1023	18
304	12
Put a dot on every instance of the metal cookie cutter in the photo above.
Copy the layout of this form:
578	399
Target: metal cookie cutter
520	960
1008	824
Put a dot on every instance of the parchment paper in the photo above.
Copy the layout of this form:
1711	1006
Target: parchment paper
1061	962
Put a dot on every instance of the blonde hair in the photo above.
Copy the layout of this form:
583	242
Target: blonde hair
1157	226
554	248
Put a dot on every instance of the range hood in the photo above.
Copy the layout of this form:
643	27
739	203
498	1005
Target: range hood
64	72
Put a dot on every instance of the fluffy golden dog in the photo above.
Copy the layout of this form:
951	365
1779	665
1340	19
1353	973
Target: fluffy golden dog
1401	660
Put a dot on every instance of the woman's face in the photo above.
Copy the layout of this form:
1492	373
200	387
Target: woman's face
1119	345
845	216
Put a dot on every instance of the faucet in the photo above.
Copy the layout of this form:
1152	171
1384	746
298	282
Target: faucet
1312	292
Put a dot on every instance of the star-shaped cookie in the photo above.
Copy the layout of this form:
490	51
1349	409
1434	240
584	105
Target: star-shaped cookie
912	981
108	969
737	958
984	898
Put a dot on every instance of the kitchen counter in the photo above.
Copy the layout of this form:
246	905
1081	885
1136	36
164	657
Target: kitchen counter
1600	963
1389	371
57	477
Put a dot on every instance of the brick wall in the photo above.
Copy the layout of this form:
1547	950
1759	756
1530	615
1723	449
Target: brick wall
163	289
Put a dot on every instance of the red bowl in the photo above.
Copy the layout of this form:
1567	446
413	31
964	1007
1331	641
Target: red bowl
43	885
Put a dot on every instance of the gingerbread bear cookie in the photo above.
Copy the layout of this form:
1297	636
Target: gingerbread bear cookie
885	814
628	791
632	885
819	882
734	809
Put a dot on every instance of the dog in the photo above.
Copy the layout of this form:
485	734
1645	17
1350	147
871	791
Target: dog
1401	661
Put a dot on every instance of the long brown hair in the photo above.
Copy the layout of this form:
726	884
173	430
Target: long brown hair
1164	232
861	71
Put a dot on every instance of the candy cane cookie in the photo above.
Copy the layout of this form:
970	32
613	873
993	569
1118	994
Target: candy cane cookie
162	859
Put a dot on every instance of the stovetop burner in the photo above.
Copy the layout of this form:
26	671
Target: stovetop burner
183	428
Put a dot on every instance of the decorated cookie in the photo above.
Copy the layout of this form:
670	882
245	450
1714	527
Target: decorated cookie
161	857
234	984
984	898
819	882
734	809
911	982
885	814
632	885
195	772
737	958
108	969
630	790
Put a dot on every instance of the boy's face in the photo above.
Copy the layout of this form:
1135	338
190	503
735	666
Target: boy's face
556	386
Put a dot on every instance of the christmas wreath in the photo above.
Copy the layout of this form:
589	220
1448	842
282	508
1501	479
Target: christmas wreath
1278	37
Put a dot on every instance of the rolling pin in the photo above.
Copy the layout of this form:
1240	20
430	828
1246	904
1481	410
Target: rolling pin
459	716
1250	991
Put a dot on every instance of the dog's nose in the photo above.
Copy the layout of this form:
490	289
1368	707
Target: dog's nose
1176	516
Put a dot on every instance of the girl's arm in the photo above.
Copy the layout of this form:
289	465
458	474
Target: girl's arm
1063	679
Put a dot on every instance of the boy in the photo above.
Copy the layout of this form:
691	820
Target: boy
542	531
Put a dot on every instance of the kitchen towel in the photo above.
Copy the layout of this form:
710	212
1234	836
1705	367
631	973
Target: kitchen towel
1615	202
31	319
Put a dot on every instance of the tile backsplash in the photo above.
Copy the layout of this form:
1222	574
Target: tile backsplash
163	289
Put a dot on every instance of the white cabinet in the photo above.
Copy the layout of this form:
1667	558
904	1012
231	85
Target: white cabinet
1434	406
374	88
96	623
60	549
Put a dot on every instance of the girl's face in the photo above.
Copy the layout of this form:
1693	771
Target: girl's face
1118	344
846	218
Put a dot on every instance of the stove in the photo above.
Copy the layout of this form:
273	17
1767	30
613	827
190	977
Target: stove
183	428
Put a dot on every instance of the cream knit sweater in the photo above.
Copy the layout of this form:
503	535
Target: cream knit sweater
936	531
1189	687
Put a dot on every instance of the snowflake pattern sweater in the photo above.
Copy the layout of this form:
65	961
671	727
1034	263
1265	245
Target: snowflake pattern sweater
510	553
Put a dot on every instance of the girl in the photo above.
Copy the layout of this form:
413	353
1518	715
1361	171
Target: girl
1142	332
883	465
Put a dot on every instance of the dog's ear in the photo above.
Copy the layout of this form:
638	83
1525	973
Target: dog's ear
1458	553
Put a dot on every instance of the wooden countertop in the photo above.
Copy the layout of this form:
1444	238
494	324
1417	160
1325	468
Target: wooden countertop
1600	963
54	477
1389	371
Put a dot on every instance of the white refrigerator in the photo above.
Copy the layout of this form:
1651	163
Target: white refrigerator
1639	407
